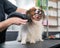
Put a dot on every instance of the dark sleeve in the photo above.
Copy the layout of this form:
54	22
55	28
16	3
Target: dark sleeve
9	7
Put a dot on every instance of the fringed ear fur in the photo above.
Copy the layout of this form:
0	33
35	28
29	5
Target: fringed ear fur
31	11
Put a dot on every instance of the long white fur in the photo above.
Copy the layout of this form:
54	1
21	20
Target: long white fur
31	33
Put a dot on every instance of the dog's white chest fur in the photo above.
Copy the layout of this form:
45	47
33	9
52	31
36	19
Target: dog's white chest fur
31	32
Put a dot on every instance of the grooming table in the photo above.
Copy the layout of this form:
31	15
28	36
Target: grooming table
15	44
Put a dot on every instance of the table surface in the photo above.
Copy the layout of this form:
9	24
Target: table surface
15	44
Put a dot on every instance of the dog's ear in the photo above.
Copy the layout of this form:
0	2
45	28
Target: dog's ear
31	11
42	14
28	13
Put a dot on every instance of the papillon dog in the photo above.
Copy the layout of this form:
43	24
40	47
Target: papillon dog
32	31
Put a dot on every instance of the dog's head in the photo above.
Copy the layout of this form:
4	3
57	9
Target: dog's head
36	13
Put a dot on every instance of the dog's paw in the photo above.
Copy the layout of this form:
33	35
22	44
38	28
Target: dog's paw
32	42
19	40
41	40
23	42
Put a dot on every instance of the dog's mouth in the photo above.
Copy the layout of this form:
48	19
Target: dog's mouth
37	15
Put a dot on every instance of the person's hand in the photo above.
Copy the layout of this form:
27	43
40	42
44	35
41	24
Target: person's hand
17	21
14	20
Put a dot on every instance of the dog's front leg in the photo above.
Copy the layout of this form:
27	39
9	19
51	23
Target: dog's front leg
24	37
40	36
19	35
32	38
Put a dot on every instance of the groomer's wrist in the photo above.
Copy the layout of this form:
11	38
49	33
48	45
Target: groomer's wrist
9	21
12	21
6	23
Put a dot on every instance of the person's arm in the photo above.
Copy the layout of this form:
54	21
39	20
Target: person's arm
23	11
9	8
10	21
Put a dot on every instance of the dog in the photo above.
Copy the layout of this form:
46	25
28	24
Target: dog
32	31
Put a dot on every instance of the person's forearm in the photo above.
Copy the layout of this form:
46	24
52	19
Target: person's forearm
10	21
5	24
23	11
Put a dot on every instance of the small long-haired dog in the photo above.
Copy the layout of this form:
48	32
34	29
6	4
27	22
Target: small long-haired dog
32	31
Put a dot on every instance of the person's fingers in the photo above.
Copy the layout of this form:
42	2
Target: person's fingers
18	21
21	21
24	20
